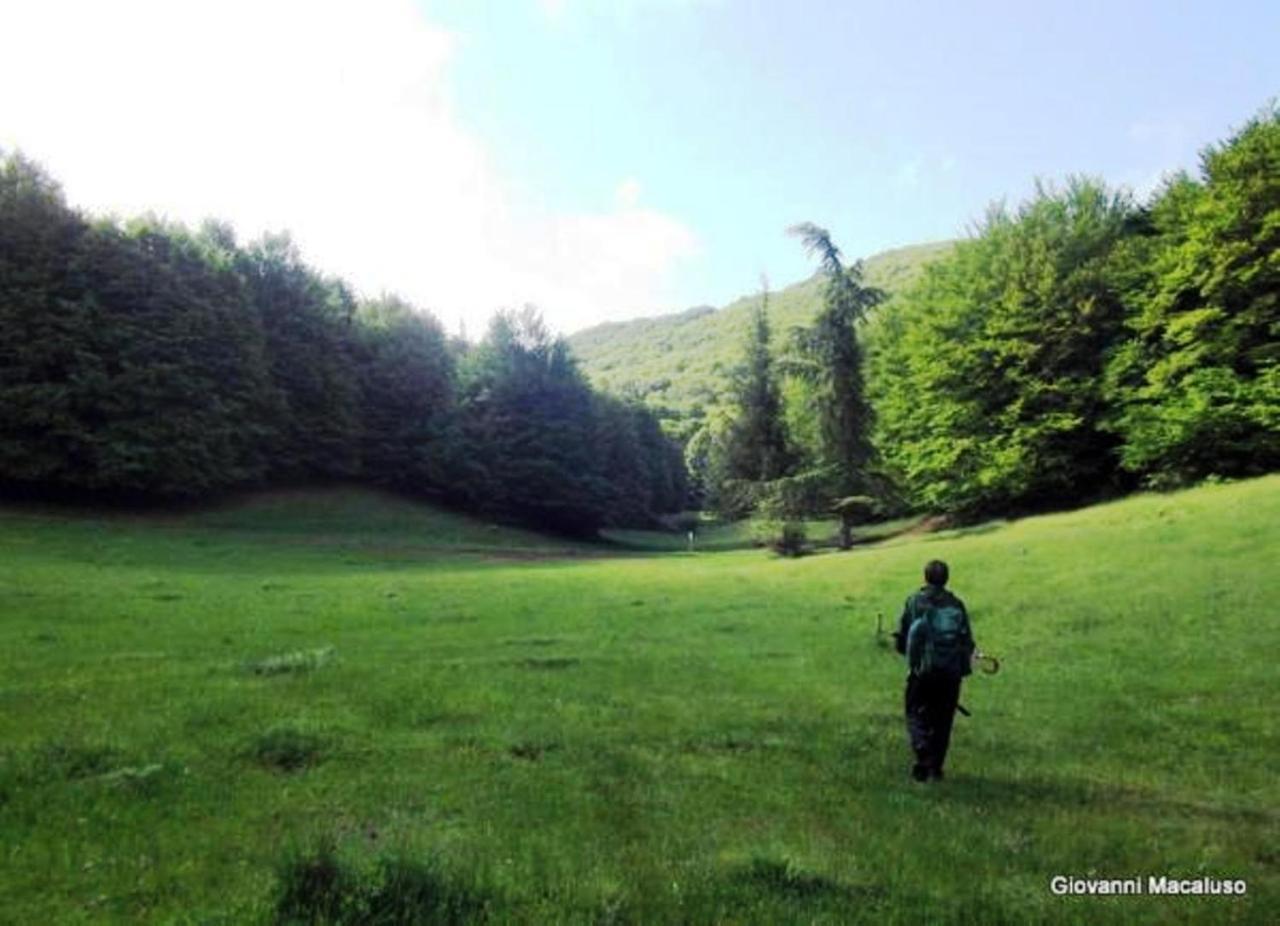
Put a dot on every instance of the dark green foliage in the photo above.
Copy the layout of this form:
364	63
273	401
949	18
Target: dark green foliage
42	326
407	387
852	511
1196	384
756	446
790	538
527	427
988	376
126	362
145	361
827	357
539	446
631	480
172	381
308	325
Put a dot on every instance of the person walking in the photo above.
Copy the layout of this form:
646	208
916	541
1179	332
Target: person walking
935	636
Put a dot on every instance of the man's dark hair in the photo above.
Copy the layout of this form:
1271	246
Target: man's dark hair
935	572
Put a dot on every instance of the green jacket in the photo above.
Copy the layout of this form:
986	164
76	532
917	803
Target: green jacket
916	603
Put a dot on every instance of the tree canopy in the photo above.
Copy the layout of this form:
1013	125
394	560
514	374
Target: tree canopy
144	360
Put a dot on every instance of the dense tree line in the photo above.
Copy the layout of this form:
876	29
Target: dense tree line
1078	346
1087	344
145	360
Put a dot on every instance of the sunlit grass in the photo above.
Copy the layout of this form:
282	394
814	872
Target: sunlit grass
596	738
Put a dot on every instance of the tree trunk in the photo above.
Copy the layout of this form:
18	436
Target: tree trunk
846	533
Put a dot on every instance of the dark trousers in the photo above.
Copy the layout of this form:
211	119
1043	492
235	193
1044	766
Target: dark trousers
931	708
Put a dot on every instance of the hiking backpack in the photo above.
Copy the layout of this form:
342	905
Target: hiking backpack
939	640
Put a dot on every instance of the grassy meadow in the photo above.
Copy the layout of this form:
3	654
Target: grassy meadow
338	704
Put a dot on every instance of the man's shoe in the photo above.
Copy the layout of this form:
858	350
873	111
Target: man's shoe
920	773
936	774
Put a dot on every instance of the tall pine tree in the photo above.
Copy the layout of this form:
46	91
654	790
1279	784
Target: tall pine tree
827	355
757	449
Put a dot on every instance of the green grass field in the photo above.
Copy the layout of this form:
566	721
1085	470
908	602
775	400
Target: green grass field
342	703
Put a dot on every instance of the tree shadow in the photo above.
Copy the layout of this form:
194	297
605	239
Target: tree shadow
1084	793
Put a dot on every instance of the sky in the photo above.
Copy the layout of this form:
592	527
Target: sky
607	159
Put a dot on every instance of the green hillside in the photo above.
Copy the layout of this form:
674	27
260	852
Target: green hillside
681	362
322	708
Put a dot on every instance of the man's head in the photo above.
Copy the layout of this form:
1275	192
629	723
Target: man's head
935	573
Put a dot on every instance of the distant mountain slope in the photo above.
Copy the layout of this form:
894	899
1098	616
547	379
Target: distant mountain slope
680	363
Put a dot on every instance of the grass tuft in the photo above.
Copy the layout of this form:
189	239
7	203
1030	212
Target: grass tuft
144	780
314	887
297	661
321	887
785	879
287	749
553	663
69	761
532	752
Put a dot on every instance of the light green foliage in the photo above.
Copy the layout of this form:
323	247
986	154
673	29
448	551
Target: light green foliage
538	735
986	378
1197	386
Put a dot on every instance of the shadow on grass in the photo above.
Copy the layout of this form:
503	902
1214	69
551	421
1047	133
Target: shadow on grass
987	527
531	751
764	890
320	887
785	880
70	761
286	749
551	664
1039	792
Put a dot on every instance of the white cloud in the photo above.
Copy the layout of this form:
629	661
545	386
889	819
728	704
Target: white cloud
628	193
328	118
552	9
622	10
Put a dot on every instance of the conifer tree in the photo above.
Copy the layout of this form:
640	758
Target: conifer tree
757	448
827	355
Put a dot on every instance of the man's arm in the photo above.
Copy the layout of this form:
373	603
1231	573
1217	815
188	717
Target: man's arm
904	625
968	626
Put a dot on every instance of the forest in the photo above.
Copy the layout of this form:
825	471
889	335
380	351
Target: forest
1077	346
141	361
